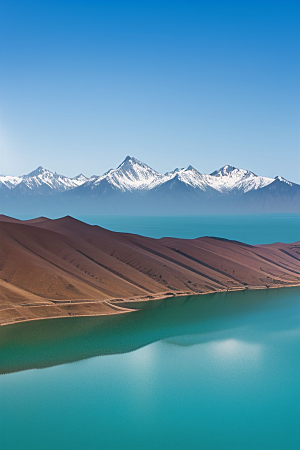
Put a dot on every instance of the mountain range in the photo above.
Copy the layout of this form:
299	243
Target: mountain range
135	188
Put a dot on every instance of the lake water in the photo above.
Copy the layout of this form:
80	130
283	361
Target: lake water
251	229
215	372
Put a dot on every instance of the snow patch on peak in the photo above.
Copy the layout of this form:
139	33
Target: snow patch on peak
283	180
189	176
128	161
9	181
80	175
130	175
43	180
80	179
174	171
230	178
223	171
38	171
231	171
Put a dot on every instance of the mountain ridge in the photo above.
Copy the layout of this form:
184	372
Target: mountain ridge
134	169
134	187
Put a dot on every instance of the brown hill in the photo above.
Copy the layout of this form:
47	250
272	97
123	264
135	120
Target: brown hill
64	267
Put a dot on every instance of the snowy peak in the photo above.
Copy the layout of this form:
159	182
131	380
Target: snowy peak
224	171
231	171
134	175
80	178
39	171
135	167
41	181
177	170
190	168
230	178
188	176
129	160
283	180
9	182
130	175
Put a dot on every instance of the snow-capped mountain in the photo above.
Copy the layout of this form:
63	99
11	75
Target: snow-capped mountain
41	181
186	176
224	180
229	178
6	181
133	175
134	187
130	175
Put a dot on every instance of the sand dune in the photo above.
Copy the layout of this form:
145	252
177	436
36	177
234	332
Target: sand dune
64	267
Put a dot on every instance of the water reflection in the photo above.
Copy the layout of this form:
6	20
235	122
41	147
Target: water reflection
222	319
221	373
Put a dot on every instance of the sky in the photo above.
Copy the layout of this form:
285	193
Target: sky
83	84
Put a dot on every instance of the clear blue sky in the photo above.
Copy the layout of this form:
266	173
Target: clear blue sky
173	83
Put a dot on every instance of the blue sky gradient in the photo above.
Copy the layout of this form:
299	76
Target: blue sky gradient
173	83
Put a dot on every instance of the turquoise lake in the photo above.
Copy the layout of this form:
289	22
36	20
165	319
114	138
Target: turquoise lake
214	372
251	229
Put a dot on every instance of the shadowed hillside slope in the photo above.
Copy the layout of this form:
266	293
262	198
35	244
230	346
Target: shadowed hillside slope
64	267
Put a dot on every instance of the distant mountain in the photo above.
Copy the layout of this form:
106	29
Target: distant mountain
41	181
229	178
135	188
280	195
130	175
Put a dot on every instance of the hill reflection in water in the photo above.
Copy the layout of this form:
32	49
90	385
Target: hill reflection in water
226	319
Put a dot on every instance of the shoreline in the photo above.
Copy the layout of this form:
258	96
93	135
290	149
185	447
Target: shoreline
117	309
67	268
